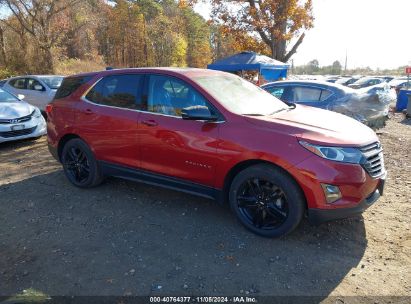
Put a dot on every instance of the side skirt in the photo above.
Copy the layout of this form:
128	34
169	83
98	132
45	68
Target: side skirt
138	175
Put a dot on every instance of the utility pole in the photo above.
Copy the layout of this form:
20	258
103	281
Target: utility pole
346	59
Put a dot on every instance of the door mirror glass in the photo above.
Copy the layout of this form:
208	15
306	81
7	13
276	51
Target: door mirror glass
198	113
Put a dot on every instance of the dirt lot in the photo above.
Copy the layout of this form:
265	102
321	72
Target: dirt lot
125	238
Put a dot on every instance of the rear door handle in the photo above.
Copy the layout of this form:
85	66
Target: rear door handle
149	123
88	111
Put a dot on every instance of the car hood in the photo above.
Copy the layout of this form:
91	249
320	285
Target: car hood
318	126
9	110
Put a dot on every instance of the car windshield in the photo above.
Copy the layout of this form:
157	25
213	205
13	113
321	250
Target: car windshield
7	97
53	82
240	96
342	80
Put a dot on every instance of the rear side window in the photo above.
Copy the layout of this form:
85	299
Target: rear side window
122	91
19	83
69	85
325	94
306	94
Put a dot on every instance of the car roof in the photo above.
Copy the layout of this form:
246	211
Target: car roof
306	82
189	72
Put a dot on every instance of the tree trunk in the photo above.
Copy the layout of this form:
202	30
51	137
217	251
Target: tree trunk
3	59
48	65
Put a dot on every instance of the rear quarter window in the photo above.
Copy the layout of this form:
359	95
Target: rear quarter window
70	85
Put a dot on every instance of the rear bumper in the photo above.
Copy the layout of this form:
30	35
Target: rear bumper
318	216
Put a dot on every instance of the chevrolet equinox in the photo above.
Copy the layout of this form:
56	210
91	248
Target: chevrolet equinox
216	135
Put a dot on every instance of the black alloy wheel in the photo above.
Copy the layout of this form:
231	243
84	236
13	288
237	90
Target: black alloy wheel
262	203
80	165
267	200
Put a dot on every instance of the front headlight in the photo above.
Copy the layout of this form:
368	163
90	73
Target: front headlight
345	155
36	113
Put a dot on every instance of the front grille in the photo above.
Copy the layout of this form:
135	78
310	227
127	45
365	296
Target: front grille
16	133
16	120
374	163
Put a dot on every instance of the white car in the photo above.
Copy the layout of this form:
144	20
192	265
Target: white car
38	90
18	119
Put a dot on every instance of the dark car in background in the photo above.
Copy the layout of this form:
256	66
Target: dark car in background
346	81
317	94
400	83
369	105
366	82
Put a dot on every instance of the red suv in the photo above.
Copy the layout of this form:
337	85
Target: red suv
216	135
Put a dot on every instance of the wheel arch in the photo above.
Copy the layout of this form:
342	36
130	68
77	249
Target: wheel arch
248	163
63	141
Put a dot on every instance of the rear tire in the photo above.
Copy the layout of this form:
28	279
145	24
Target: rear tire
79	164
266	200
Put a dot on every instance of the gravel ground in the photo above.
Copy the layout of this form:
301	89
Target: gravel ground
125	238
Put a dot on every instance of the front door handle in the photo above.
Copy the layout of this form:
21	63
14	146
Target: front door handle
150	123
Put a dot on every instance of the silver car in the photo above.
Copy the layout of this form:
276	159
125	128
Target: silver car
38	90
18	119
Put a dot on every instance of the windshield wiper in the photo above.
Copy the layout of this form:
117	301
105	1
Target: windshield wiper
253	114
291	106
279	110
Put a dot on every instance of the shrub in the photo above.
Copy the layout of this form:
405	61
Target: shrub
75	66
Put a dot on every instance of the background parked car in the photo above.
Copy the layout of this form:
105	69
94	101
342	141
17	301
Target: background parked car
369	106
18	119
346	81
38	90
317	94
399	83
366	82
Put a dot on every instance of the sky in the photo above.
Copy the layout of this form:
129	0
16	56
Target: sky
372	32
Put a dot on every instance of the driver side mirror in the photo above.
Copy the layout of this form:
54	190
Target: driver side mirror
198	113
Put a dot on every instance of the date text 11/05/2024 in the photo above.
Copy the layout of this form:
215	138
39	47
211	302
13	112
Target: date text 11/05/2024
237	299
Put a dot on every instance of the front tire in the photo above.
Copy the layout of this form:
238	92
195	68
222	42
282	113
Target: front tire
267	201
79	164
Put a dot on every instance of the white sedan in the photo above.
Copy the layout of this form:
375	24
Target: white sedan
18	119
38	90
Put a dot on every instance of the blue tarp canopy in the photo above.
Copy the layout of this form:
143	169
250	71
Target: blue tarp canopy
271	69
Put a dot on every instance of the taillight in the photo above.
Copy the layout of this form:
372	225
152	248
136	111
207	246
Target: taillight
49	107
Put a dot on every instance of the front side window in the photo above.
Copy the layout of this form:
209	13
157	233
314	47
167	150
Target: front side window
169	95
122	91
35	85
276	91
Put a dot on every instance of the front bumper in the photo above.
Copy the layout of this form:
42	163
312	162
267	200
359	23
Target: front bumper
318	216
39	125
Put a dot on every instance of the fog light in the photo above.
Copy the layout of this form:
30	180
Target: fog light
332	193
